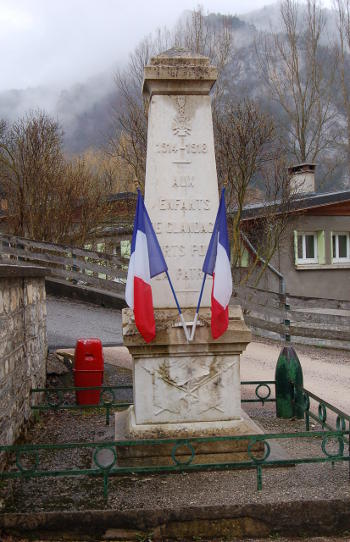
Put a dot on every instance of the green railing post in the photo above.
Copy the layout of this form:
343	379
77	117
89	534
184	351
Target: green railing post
105	484
259	477
289	383
307	420
108	411
349	449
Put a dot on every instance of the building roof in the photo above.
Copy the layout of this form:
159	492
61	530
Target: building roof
300	203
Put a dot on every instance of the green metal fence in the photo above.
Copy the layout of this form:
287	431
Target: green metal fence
107	458
28	461
342	420
263	391
64	398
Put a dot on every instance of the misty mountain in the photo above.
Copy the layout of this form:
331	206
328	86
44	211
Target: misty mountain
268	19
84	110
87	111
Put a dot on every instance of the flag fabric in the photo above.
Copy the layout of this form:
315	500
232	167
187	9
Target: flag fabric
146	261
217	264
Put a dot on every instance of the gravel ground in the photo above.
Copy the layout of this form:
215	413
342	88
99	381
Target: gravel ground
302	482
326	372
6	538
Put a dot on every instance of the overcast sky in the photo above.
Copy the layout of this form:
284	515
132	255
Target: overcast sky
60	42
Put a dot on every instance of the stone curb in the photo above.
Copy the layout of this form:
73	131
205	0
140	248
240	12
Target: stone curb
22	271
102	298
298	518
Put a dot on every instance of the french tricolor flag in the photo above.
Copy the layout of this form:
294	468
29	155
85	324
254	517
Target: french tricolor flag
146	261
217	264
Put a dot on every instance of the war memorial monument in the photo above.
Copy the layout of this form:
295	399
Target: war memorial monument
184	389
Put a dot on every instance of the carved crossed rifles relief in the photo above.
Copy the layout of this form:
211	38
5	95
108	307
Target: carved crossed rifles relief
179	385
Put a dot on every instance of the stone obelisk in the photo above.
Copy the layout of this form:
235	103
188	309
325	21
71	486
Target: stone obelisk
181	388
181	190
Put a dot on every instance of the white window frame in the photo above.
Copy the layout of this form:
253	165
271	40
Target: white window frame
305	260
337	259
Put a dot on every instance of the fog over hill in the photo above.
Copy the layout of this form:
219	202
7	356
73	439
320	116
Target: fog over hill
268	19
87	110
84	110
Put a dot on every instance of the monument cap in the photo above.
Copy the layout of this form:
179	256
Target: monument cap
180	56
179	71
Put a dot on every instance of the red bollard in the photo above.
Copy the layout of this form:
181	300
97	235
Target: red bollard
88	370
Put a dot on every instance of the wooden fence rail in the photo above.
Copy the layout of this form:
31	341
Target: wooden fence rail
322	322
72	265
315	321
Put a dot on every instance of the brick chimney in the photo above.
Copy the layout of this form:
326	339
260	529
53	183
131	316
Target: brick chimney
302	178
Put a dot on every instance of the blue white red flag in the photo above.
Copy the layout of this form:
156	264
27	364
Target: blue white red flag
146	261
217	264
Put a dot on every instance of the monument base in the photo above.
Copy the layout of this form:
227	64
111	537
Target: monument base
162	453
176	381
185	390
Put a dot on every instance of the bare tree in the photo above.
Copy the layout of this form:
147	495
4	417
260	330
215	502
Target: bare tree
267	232
81	202
248	154
114	174
130	143
49	198
293	67
2	128
31	160
195	34
343	22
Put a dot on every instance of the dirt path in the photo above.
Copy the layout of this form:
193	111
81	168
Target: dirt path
326	372
69	319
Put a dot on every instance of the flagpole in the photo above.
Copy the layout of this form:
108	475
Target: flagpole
178	308
197	310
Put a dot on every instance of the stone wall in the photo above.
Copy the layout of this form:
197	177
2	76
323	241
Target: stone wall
23	345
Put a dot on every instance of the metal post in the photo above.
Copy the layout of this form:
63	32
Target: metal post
259	477
289	383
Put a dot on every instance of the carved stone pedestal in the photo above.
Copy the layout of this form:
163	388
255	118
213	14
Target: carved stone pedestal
184	390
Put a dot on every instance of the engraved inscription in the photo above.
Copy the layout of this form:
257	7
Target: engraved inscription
184	205
198	250
174	251
191	273
162	276
196	148
189	148
183	227
188	227
184	181
166	148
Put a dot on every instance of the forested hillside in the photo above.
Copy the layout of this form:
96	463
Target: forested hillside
310	107
282	97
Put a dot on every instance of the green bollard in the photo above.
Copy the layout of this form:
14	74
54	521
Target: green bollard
289	383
